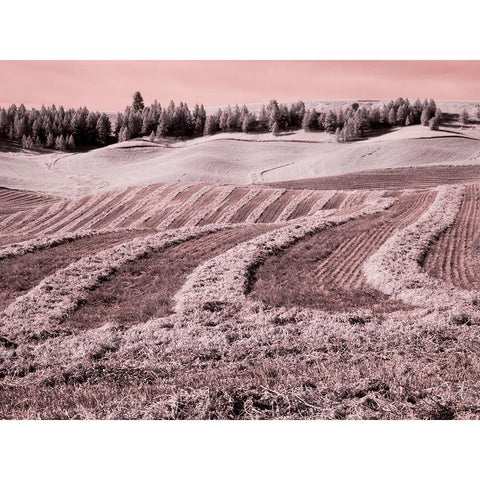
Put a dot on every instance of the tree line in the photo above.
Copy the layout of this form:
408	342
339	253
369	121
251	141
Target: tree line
56	128
72	129
348	124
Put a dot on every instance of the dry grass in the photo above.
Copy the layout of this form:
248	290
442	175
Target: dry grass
144	289
246	365
395	268
37	314
327	266
25	267
229	355
227	277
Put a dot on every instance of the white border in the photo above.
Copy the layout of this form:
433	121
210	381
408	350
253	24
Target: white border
247	29
94	29
239	450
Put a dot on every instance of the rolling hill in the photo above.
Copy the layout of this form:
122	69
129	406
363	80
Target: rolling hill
240	159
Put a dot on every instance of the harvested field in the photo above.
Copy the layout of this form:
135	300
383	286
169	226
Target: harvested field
144	289
274	211
227	278
171	206
306	205
7	239
455	256
325	270
20	274
244	211
176	217
203	204
181	282
230	205
335	201
99	215
395	268
401	178
272	208
12	201
34	223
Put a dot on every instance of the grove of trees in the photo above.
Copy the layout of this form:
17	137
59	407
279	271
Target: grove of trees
57	128
348	124
61	129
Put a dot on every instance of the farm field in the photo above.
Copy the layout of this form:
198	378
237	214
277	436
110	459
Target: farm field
243	277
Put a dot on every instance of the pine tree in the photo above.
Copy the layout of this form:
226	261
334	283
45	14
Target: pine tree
91	128
402	114
433	123
374	117
103	128
19	125
147	121
425	117
339	134
464	117
392	117
60	143
340	118
432	107
306	121
50	142
209	126
283	123
263	120
354	126
163	125
310	121
248	123
36	128
3	123
296	114
330	123
223	121
71	143
274	130
124	134
416	111
137	103
151	138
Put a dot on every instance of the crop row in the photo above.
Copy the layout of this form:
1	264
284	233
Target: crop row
225	278
395	269
38	313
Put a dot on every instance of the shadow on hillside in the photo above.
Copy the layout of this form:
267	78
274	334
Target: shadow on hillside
9	146
455	132
378	132
286	134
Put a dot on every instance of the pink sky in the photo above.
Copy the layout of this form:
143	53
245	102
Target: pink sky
109	85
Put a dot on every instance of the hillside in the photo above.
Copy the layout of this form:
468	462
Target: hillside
237	158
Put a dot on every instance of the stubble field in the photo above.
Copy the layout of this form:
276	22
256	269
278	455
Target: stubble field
351	295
